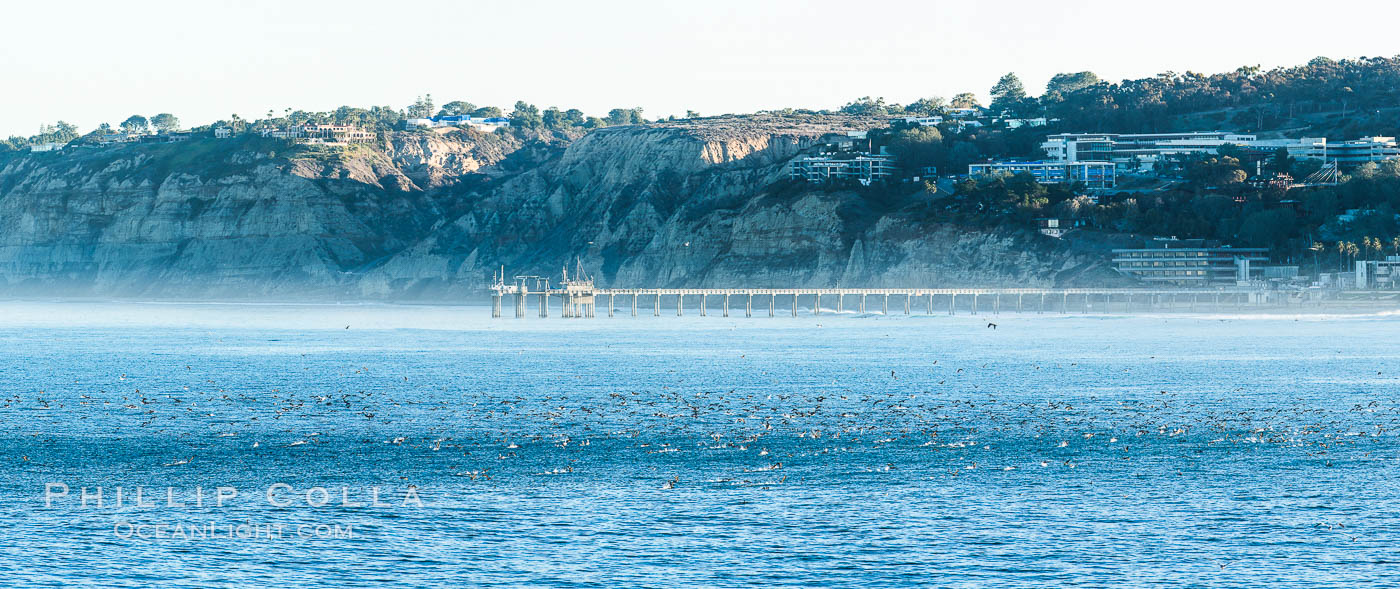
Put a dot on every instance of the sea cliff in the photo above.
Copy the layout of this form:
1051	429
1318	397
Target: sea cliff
431	216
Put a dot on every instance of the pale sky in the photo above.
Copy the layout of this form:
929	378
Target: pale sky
88	62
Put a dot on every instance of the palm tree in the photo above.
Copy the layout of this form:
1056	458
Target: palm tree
1317	248
1395	244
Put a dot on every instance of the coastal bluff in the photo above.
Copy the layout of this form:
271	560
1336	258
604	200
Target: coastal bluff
431	215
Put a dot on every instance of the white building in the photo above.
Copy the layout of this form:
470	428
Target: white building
932	121
1306	148
1090	174
223	133
1136	152
865	168
957	121
1378	273
1140	152
293	132
1191	261
316	133
1365	149
42	147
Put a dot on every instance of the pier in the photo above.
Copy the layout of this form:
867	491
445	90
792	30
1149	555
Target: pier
578	298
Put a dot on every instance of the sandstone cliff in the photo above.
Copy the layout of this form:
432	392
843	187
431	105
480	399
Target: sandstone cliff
432	215
705	204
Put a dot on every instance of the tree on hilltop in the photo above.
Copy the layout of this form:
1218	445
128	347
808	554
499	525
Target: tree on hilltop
1008	93
525	116
927	107
456	108
558	119
867	106
135	124
625	116
166	122
421	108
1064	83
965	100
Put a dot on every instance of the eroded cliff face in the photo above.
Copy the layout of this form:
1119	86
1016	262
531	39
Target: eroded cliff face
237	221
705	204
432	216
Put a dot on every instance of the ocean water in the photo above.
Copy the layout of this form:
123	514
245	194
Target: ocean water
860	451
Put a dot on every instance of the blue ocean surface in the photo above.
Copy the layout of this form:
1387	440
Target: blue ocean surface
378	445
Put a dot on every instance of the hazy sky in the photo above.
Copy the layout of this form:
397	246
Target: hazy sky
89	62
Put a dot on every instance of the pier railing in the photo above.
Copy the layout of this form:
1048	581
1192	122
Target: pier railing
576	300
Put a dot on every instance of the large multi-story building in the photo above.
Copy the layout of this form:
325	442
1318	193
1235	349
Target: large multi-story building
1140	152
315	133
1378	273
1136	152
1090	174
862	167
337	134
1190	261
1360	151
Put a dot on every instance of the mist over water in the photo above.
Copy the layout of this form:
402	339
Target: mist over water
824	450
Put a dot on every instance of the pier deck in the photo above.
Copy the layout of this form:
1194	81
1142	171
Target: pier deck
580	300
